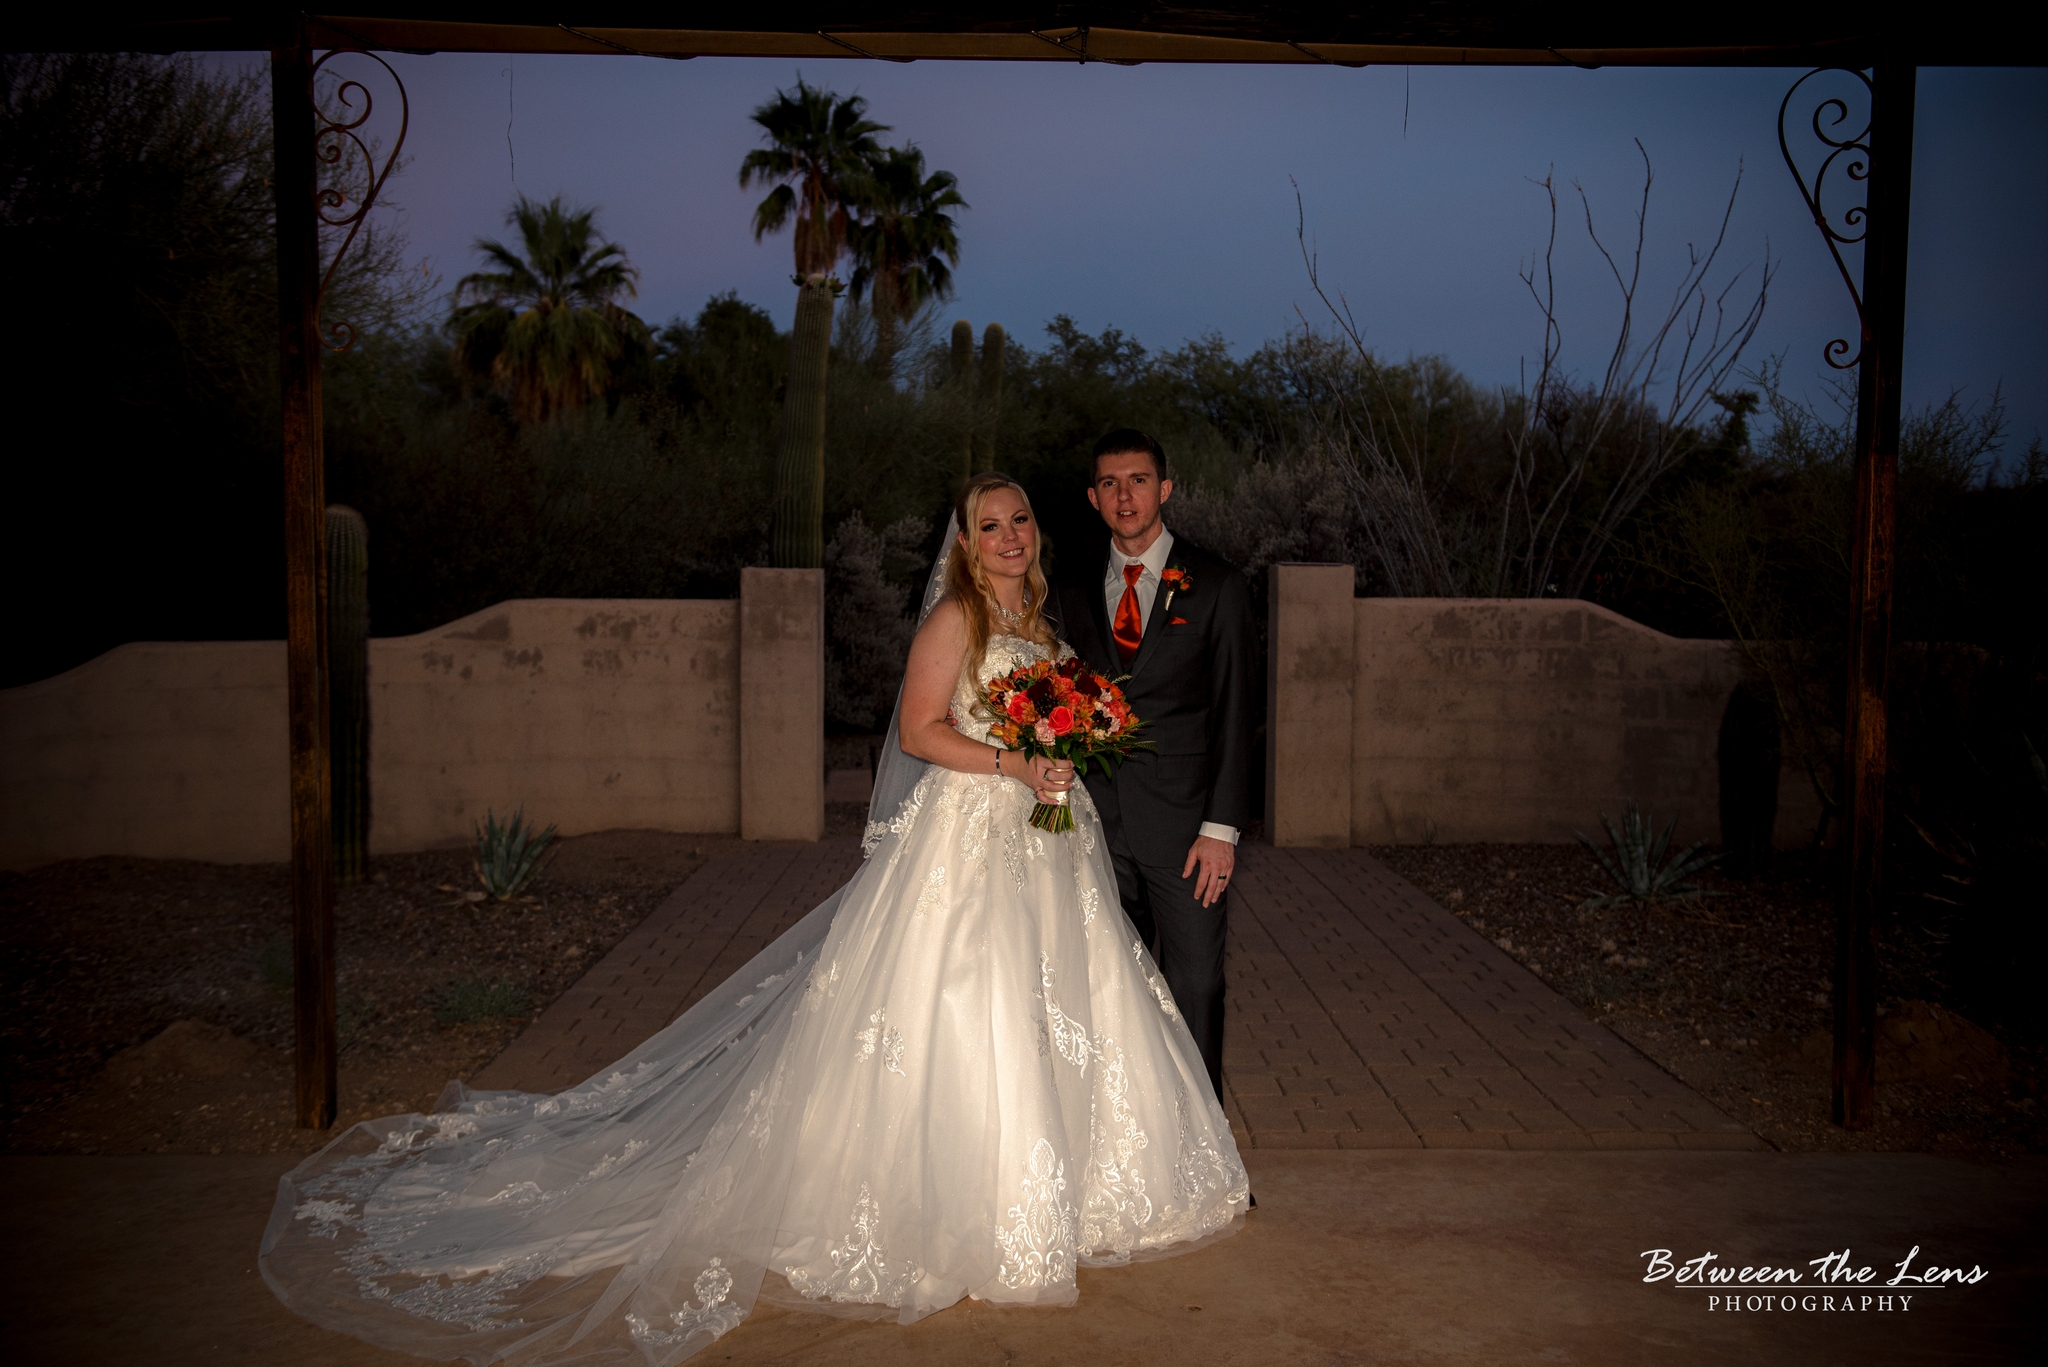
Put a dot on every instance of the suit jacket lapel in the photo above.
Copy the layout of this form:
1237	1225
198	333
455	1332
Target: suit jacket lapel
1155	624
1098	613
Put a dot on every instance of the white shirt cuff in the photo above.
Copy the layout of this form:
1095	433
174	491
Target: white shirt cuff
1216	831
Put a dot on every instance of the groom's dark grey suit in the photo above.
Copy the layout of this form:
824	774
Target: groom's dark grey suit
1192	685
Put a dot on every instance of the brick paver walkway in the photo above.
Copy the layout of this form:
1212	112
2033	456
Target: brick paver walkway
1364	1015
1361	1014
722	916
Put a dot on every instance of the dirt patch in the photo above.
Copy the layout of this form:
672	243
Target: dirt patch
148	1002
1732	995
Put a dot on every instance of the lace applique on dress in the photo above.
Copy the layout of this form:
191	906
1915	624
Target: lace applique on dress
1199	1170
518	1194
1038	1248
883	1037
475	1303
708	1314
976	800
1160	992
613	1091
1013	858
1116	1207
759	1114
1069	1036
612	1161
821	985
1084	826
860	1268
932	893
329	1217
899	824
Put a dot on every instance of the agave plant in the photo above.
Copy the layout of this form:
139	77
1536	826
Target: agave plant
1642	863
508	855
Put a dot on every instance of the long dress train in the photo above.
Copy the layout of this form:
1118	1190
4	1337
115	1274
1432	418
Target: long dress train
960	1076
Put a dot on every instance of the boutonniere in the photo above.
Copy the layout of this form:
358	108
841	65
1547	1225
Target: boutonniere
1177	580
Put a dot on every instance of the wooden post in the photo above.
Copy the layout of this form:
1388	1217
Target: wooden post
1870	593
305	517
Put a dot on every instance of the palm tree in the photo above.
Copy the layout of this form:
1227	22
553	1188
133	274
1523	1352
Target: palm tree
817	156
547	327
819	148
905	245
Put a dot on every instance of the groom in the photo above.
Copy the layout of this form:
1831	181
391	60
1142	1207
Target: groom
1178	621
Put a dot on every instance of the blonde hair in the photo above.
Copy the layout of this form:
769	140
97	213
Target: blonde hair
967	582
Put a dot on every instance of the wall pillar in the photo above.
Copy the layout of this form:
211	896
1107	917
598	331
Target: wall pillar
782	704
1310	667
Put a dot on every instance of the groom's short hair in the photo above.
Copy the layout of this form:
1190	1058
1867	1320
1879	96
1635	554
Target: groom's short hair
1127	441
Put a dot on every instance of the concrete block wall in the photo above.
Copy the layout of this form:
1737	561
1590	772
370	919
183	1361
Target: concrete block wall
1523	719
1484	720
594	714
1311	682
164	750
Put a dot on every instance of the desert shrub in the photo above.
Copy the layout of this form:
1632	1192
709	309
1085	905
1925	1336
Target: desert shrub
1295	508
469	508
1642	863
869	578
509	854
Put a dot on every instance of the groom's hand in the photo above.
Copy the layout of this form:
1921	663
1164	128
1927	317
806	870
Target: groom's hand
1218	860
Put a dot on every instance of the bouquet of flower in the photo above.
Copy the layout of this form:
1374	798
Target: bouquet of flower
1064	711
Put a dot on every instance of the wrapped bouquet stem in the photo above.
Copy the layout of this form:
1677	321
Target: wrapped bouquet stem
1064	711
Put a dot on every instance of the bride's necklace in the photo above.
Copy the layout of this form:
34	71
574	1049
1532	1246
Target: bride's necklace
1008	617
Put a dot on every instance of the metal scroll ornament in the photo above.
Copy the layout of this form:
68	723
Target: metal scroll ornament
337	145
1848	153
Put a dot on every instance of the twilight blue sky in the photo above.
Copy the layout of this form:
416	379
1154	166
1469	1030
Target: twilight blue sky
1156	198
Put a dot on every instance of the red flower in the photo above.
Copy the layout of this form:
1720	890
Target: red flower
1062	720
1018	707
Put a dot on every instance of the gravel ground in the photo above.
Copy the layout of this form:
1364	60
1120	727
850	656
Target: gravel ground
102	955
1731	994
99	958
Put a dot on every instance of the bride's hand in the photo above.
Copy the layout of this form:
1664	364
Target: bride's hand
1047	777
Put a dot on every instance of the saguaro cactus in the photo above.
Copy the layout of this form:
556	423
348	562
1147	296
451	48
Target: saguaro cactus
348	687
959	376
796	531
992	343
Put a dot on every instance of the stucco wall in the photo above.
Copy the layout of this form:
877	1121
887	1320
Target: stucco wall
164	750
594	714
1522	720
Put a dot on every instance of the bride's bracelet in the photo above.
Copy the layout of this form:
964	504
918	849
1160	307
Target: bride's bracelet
999	759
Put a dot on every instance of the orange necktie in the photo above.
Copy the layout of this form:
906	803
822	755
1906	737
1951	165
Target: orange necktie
1129	627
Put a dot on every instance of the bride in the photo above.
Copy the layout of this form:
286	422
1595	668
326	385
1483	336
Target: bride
959	1076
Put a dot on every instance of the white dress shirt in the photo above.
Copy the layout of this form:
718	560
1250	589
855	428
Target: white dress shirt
1155	560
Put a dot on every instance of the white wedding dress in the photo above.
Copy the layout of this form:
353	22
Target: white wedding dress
960	1076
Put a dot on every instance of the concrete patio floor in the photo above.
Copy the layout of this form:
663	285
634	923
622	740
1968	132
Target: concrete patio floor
1453	1166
